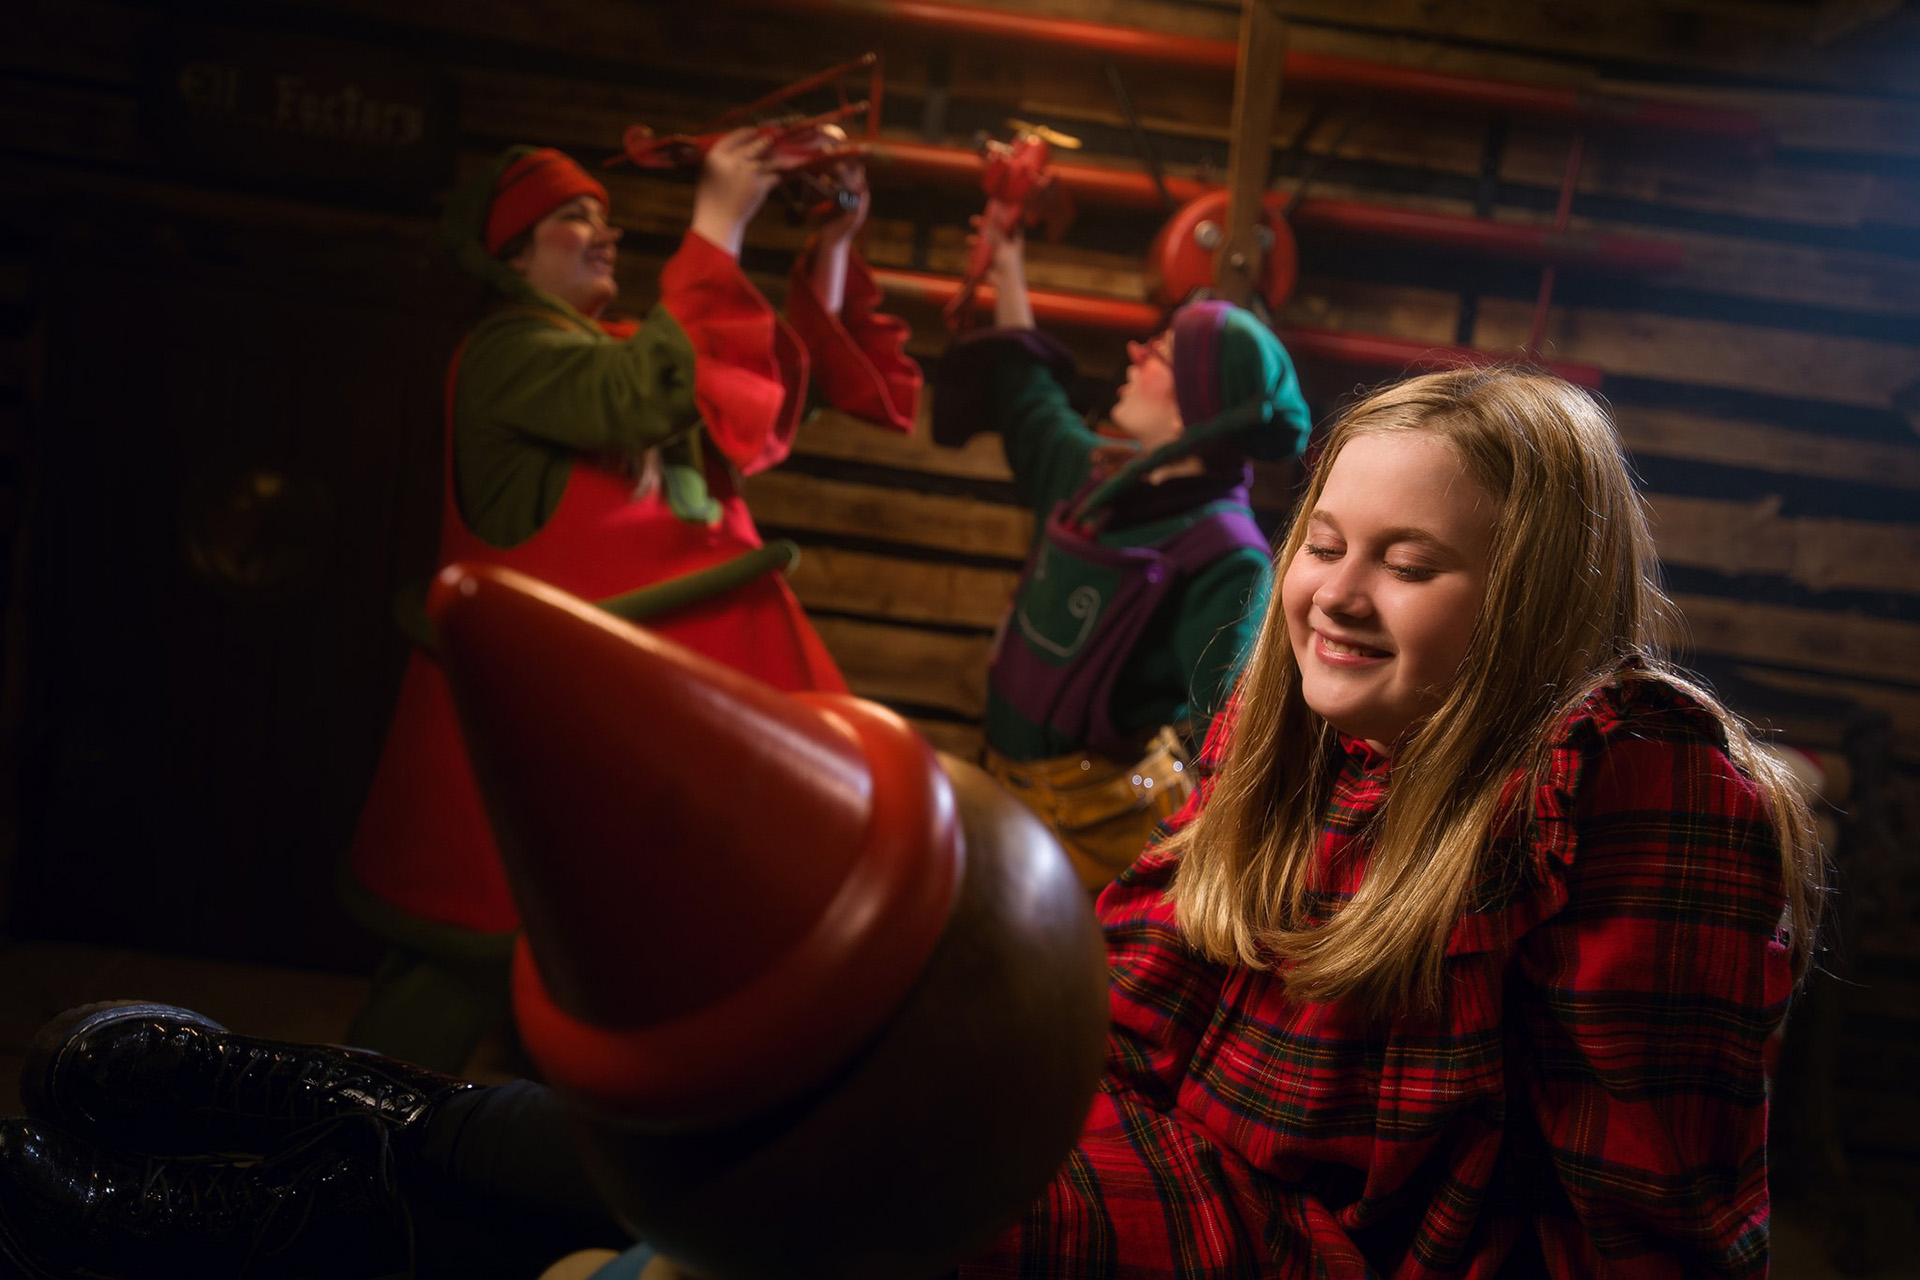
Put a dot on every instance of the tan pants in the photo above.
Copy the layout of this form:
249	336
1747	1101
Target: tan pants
1101	812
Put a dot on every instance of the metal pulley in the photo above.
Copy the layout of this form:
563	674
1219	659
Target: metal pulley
1183	255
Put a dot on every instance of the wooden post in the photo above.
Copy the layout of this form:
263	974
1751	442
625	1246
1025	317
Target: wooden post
1256	96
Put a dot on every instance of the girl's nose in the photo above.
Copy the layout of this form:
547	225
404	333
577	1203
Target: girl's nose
609	234
1343	591
1137	352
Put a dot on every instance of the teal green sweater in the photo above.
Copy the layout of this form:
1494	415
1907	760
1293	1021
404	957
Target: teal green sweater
1184	666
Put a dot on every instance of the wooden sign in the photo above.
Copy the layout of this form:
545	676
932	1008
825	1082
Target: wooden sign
300	112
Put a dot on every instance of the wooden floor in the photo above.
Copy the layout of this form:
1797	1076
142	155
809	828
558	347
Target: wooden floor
40	979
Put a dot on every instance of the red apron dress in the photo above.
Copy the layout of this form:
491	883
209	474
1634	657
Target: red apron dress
423	845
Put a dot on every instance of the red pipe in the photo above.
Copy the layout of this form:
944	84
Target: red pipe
1166	48
1095	185
1136	318
1404	353
1091	184
1524	242
1554	101
1083	309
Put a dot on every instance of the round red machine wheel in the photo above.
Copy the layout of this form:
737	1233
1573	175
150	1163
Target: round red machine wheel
1181	259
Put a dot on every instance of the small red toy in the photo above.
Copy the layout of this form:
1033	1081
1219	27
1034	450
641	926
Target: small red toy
1021	193
807	148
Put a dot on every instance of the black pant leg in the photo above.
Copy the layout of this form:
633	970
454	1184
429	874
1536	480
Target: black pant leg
501	1190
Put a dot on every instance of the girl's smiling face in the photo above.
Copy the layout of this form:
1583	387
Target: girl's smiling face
571	255
1382	596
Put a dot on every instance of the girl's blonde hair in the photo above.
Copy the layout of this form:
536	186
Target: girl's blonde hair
1572	602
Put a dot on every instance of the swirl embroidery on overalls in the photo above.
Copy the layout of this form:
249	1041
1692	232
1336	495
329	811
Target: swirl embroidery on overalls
1083	604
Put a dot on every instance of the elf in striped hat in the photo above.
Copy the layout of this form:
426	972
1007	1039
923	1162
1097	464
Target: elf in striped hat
1148	574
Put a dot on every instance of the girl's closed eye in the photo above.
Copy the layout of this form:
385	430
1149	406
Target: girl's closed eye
1410	572
1320	551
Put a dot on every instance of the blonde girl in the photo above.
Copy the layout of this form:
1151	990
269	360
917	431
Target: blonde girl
1465	959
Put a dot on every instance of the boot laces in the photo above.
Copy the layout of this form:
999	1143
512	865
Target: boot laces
296	1088
273	1201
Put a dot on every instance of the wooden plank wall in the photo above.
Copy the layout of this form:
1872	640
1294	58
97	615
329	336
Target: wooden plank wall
1769	387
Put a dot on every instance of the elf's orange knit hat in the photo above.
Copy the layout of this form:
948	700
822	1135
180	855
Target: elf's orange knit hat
726	890
532	187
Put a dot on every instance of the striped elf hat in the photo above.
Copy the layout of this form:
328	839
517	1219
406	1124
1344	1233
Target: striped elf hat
1225	360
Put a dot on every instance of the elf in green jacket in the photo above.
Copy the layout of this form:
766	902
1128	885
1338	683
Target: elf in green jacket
1148	574
602	456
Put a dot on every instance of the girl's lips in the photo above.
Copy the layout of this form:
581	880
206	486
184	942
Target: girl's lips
1345	652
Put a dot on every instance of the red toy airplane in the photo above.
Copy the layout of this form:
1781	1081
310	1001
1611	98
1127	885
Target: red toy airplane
804	147
1020	194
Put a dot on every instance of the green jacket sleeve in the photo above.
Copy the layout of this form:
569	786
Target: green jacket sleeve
535	374
533	390
1013	382
1048	447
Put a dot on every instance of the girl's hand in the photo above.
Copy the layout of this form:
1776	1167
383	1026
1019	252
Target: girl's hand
734	183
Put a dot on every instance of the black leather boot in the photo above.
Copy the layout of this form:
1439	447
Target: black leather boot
157	1079
68	1208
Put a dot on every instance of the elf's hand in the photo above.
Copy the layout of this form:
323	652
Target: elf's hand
734	182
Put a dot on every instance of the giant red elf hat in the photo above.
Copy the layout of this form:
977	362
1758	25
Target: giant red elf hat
726	890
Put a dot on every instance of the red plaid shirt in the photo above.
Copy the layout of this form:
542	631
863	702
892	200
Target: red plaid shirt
1590	1100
